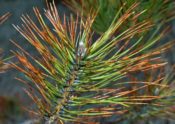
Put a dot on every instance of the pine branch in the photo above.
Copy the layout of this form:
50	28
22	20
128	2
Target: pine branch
76	78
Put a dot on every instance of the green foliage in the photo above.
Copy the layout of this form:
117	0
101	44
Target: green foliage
158	11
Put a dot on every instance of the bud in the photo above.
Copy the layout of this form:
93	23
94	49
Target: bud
81	49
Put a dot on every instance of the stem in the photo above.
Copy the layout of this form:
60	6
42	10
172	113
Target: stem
66	95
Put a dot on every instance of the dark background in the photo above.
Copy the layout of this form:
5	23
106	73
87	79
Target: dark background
12	97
